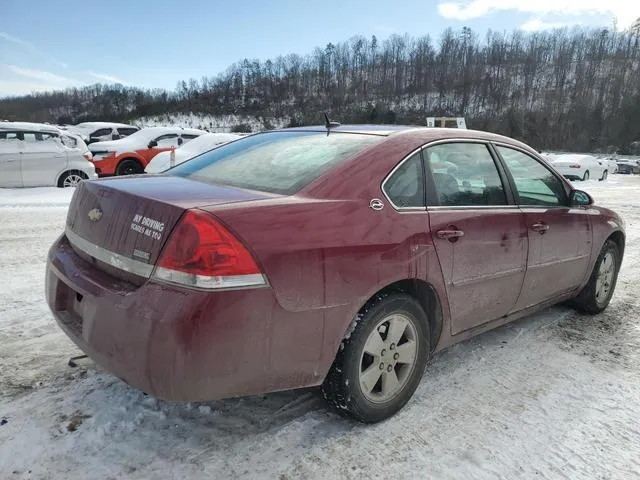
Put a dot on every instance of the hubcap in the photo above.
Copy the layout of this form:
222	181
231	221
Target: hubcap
605	278
72	180
388	358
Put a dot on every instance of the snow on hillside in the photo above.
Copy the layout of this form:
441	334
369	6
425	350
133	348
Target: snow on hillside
212	123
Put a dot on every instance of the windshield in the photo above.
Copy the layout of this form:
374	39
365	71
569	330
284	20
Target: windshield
275	162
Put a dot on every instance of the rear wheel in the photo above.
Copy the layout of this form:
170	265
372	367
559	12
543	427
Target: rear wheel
129	166
380	364
71	178
604	175
585	177
596	295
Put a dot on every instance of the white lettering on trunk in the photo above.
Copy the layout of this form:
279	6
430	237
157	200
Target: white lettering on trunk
148	227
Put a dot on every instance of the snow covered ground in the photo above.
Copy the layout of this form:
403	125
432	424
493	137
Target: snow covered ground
554	396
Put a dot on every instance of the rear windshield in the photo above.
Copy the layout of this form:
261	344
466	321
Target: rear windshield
275	162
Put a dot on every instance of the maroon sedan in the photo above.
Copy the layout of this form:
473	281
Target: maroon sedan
340	257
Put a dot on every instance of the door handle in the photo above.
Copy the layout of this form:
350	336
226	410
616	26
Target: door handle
451	234
540	227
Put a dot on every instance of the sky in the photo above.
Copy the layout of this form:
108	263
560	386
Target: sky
156	43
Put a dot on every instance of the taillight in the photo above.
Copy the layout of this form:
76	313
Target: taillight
201	253
88	156
574	165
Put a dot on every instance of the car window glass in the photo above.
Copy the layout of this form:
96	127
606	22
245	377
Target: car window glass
126	131
465	175
405	187
277	162
101	132
535	184
189	137
169	140
69	141
9	136
30	136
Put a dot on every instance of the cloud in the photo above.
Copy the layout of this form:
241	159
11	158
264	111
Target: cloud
107	78
537	24
31	48
624	11
41	75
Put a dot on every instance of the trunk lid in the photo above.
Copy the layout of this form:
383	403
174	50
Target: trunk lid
123	223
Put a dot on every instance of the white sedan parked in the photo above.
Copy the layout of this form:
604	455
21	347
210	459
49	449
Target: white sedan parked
195	147
38	155
579	167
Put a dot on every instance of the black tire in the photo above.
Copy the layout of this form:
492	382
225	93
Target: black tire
587	300
585	177
129	166
342	388
604	175
66	177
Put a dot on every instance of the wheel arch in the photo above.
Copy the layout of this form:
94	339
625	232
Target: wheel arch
619	239
427	297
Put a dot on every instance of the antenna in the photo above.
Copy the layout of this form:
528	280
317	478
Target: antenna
329	124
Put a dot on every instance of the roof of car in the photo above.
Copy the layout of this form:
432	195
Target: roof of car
428	133
33	127
84	125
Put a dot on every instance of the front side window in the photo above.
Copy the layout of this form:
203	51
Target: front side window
535	184
275	162
10	136
405	188
465	175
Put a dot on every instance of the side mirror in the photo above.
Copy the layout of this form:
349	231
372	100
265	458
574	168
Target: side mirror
152	144
579	198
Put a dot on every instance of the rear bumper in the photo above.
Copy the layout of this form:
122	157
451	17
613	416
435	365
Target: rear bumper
176	344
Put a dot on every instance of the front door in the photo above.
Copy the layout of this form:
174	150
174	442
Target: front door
480	238
560	237
10	153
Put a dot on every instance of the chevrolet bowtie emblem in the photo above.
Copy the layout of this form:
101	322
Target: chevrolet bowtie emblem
95	214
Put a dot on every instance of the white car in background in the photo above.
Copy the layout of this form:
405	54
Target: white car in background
39	155
195	147
101	131
579	166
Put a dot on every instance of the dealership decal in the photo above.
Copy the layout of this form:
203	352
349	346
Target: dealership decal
147	226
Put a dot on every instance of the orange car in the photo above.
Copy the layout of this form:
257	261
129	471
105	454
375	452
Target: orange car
131	155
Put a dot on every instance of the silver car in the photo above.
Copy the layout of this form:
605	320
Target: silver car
38	155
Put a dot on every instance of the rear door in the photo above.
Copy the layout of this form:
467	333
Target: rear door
44	158
479	234
560	237
10	152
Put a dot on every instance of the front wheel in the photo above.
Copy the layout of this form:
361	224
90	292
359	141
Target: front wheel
380	363
604	175
596	295
585	177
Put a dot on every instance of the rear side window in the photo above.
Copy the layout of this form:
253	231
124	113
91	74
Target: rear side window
275	162
405	187
465	175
